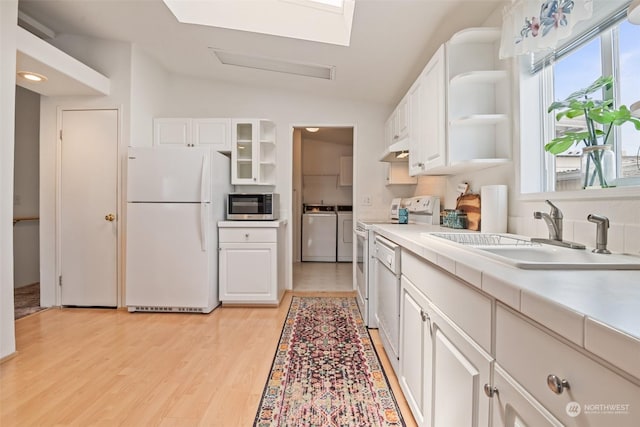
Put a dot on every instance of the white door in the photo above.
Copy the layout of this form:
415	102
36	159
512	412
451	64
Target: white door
88	208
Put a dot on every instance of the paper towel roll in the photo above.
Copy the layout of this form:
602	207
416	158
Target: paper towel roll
493	209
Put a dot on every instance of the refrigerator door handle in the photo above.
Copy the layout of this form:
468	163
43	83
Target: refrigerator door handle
204	211
204	228
204	173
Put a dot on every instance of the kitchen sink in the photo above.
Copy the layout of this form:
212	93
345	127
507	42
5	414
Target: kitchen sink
523	253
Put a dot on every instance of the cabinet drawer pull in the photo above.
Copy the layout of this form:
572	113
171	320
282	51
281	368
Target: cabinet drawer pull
246	235
556	384
425	318
490	391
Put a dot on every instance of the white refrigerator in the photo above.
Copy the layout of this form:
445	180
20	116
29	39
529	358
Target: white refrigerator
175	197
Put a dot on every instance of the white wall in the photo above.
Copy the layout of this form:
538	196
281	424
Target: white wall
149	81
8	19
26	252
321	170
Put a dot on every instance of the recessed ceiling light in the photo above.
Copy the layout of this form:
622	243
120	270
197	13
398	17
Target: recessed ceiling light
32	77
312	129
274	64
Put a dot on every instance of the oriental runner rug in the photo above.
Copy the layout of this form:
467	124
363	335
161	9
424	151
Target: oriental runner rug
326	371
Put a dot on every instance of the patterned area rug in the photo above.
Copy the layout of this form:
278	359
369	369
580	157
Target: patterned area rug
326	371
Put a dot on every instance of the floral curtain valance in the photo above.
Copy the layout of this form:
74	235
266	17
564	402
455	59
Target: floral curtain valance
531	26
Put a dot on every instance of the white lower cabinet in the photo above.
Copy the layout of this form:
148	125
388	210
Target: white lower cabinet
442	370
573	387
251	265
513	406
466	359
415	352
460	370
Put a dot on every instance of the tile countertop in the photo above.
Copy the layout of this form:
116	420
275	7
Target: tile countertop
598	310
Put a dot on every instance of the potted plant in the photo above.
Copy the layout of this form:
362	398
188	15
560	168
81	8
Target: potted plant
600	117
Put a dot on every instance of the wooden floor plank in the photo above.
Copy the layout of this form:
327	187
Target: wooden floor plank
110	367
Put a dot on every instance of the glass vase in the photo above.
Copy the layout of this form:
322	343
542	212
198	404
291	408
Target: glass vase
598	166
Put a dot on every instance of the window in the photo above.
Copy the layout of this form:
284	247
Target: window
615	51
612	50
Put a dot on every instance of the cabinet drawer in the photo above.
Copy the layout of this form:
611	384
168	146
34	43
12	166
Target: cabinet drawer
468	308
595	394
248	235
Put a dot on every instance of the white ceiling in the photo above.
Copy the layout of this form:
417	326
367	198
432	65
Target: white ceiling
390	43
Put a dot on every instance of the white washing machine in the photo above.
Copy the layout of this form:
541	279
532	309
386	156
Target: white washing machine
345	233
319	227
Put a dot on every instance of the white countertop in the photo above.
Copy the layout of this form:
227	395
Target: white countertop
598	310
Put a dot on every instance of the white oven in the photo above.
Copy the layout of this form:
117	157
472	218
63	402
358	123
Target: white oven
364	275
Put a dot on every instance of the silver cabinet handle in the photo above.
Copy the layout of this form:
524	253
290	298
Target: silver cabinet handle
556	384
490	391
425	318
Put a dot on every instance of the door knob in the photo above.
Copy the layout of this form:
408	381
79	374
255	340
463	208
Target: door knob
110	217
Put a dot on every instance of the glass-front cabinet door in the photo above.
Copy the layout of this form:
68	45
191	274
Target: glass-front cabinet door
253	154
244	153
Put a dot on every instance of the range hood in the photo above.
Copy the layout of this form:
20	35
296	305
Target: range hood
395	149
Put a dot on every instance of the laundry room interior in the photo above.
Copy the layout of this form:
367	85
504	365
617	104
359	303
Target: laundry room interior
323	193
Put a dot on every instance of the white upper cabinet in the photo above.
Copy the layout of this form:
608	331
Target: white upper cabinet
215	133
345	178
212	132
478	101
401	119
427	146
397	126
457	113
172	131
253	153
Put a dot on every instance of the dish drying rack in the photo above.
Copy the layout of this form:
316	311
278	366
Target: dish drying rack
485	240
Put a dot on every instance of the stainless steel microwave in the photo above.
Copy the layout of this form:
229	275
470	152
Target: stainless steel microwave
253	206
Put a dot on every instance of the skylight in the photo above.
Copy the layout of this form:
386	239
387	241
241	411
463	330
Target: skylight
324	21
336	3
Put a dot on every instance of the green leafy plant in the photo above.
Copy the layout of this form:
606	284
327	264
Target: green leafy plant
600	117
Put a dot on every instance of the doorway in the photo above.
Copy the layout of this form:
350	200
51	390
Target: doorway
26	191
322	204
88	206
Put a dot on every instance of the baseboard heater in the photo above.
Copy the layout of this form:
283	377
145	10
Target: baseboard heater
203	310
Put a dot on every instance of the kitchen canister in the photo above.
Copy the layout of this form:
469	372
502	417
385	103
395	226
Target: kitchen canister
493	210
403	216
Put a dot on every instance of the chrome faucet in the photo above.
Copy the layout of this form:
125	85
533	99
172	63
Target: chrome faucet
553	220
554	223
601	233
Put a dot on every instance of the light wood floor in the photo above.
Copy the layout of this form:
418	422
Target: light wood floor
110	367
